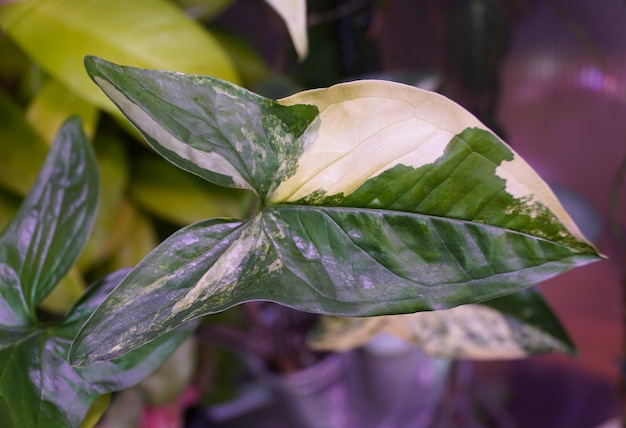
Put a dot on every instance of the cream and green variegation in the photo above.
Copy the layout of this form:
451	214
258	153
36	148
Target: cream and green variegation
375	198
512	326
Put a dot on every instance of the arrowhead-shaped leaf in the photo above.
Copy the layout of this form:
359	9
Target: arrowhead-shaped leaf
377	198
512	326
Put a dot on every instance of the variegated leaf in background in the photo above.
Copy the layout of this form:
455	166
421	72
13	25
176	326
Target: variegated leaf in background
375	198
512	326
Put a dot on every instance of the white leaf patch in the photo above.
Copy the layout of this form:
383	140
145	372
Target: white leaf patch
366	128
524	184
221	279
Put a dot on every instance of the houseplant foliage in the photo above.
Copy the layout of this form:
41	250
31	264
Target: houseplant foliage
38	387
512	326
42	44
374	198
145	33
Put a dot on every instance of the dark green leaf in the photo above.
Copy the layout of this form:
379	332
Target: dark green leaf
39	388
44	239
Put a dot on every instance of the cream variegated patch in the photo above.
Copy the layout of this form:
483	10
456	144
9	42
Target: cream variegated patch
220	279
210	161
469	331
366	128
523	183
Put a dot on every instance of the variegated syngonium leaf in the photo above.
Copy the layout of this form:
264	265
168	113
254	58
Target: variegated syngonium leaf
209	127
513	326
388	146
376	198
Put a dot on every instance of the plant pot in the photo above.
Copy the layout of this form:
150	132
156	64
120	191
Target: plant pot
400	386
315	397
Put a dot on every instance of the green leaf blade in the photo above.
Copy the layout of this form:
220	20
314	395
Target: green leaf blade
372	262
206	126
38	387
161	295
377	198
55	219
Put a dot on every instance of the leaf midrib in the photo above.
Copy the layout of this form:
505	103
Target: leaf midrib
479	223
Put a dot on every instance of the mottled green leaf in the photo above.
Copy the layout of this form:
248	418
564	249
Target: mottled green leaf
187	256
145	33
376	198
512	326
38	387
44	239
179	115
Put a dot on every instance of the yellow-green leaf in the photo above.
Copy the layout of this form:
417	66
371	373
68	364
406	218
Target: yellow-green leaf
65	294
181	198
134	237
22	151
58	34
96	411
113	167
53	105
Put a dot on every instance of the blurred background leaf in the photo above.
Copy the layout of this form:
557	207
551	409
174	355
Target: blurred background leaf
53	105
22	151
58	34
181	198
